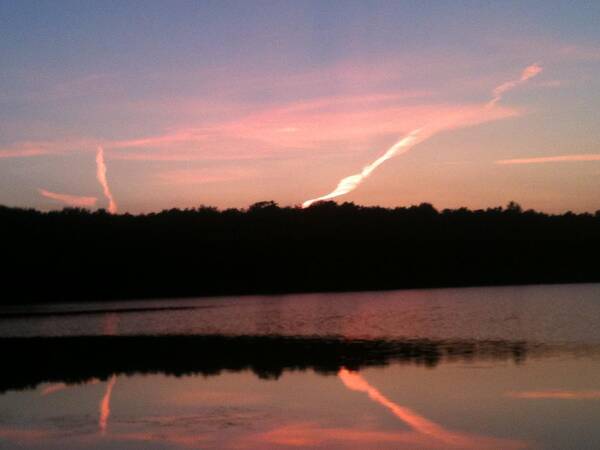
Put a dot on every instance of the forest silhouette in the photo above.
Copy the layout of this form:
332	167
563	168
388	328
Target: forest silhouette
77	359
80	255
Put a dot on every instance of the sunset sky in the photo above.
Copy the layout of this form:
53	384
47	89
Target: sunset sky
177	104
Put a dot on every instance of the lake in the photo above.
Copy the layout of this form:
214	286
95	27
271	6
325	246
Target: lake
480	368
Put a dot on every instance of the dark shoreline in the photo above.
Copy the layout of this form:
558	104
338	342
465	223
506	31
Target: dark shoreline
77	359
76	255
90	300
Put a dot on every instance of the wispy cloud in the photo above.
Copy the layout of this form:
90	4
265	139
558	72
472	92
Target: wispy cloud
71	200
552	159
22	152
310	119
424	132
204	175
27	149
101	175
528	73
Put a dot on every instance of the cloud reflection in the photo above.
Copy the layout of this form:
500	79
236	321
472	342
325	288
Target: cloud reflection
556	395
422	425
105	405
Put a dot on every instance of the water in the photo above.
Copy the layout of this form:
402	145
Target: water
497	368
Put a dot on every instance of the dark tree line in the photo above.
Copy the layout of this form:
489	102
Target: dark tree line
75	254
81	358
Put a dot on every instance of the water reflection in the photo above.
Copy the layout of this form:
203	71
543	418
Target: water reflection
311	435
527	313
477	368
56	387
423	426
85	358
461	403
557	395
105	405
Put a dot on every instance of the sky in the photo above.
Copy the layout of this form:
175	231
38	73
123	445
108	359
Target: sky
137	106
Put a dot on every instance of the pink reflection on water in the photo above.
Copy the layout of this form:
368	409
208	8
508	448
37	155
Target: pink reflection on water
422	425
57	387
312	435
172	438
105	405
556	395
110	324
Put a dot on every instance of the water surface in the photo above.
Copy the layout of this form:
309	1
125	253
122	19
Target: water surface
498	368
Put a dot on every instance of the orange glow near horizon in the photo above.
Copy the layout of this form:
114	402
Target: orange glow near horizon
418	135
350	183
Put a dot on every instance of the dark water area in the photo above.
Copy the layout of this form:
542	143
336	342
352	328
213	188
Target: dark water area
496	368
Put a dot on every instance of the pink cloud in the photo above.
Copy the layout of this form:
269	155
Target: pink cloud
39	148
528	73
424	132
203	175
169	139
71	200
551	159
22	152
327	124
368	109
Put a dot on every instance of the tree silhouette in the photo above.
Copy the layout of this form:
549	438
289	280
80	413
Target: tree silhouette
77	255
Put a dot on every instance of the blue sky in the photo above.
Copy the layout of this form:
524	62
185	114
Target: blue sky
227	103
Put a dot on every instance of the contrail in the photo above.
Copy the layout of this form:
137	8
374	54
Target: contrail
105	405
529	72
71	200
350	183
101	175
